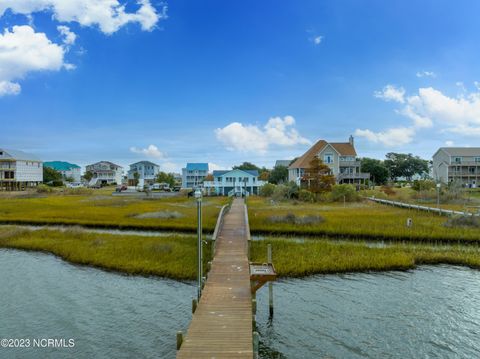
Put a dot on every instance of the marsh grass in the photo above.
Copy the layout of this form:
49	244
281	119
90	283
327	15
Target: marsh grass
104	211
175	256
321	256
463	221
365	220
171	257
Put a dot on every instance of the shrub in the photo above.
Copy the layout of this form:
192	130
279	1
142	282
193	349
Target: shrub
344	191
306	196
463	221
80	191
388	190
267	190
57	183
43	188
423	185
280	193
292	190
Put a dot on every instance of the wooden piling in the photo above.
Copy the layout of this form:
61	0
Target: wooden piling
194	305
256	344
270	284
179	339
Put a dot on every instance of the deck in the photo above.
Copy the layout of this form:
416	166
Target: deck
221	326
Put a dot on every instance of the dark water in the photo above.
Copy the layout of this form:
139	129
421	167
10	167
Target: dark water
107	314
433	312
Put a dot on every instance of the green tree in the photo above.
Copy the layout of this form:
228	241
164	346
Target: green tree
405	165
50	175
88	176
278	175
378	171
164	177
247	166
318	177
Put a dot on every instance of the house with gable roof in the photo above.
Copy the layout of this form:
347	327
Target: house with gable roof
341	157
19	170
460	164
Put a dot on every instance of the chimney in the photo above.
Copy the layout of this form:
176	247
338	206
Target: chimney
350	140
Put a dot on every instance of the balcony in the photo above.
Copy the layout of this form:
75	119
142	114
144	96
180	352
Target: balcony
349	163
362	176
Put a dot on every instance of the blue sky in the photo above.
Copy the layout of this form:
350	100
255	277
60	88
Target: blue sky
226	82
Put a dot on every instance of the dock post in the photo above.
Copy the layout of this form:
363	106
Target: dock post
270	284
254	306
194	305
256	344
179	339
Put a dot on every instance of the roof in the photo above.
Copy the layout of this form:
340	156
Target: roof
343	148
60	166
145	163
284	163
461	151
105	162
222	173
197	166
19	155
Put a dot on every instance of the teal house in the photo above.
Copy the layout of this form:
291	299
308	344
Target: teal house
68	170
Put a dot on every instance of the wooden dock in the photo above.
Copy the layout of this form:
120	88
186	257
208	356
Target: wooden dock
221	326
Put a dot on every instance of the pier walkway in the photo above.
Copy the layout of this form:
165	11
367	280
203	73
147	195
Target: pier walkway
221	326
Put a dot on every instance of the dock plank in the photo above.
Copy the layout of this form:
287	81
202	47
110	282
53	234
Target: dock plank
221	327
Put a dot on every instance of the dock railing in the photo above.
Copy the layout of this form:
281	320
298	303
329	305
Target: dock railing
440	211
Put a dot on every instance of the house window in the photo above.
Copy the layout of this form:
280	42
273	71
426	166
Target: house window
477	159
328	158
471	170
457	159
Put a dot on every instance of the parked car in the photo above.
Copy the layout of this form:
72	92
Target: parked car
160	187
74	185
121	188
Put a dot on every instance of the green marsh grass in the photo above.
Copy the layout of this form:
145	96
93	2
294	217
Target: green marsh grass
362	220
322	256
105	211
171	257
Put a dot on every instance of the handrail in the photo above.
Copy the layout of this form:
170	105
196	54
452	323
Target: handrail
218	225
440	211
247	231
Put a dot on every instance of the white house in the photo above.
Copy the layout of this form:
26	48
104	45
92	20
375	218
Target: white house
194	174
147	173
104	173
19	170
234	183
68	170
341	157
457	164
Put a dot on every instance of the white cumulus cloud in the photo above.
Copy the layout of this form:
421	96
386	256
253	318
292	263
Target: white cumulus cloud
150	151
426	74
69	37
22	50
449	143
431	108
317	40
391	93
108	15
389	138
250	138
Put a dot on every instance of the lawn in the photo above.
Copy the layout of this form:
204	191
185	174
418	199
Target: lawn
365	220
101	209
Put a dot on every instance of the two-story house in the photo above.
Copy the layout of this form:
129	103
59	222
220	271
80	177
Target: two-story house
68	170
104	173
341	157
19	170
194	174
234	183
147	173
457	164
